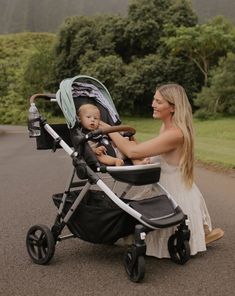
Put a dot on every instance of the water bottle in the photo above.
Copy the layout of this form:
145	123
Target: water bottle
34	121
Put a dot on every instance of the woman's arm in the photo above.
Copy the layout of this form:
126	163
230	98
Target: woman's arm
165	142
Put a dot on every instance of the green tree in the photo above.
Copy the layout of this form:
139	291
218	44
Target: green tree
109	70
14	56
80	35
181	13
144	28
203	44
219	97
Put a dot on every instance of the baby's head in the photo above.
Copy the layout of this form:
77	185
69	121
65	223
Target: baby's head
89	116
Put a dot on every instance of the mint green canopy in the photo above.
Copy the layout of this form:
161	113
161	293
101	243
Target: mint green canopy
64	97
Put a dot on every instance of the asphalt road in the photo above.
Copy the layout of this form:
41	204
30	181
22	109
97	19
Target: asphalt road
28	178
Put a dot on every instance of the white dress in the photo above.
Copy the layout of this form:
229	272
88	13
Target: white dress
191	202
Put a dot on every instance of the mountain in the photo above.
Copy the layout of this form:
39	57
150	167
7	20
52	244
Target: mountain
47	15
207	9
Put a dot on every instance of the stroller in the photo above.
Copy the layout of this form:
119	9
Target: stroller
89	207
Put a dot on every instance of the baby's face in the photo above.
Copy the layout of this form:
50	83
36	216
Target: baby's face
90	119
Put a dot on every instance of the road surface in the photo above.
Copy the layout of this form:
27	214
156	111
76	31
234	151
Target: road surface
28	178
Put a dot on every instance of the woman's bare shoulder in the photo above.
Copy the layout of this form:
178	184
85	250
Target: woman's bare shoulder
174	132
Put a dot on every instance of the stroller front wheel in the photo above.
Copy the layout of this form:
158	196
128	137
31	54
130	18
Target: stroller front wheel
179	249
40	244
135	267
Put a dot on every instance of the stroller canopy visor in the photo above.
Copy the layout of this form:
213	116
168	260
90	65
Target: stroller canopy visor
82	85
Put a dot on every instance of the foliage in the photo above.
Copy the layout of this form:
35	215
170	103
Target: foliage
145	19
203	44
156	42
14	52
86	45
181	13
109	70
219	97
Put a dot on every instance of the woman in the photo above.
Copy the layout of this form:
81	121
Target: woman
174	148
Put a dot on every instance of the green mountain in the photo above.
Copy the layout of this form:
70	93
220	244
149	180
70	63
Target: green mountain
47	15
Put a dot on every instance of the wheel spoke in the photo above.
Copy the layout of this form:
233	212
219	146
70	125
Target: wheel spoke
39	252
41	236
33	239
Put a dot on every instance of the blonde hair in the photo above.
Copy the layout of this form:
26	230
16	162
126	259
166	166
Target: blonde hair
85	107
182	118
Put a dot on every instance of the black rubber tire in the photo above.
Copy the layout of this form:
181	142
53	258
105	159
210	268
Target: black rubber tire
40	244
179	250
136	274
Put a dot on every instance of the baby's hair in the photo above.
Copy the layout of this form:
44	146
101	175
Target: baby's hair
85	107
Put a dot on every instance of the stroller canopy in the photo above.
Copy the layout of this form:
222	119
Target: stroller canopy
83	86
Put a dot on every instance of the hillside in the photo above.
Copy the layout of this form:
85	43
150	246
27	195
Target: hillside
207	9
47	15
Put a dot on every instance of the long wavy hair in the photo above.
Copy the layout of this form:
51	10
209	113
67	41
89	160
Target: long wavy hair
182	118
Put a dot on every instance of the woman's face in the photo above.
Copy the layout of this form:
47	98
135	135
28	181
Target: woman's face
161	108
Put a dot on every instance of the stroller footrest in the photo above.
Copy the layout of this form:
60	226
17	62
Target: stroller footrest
175	219
158	211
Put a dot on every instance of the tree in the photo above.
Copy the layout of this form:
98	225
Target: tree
181	13
77	36
109	70
144	28
203	44
219	97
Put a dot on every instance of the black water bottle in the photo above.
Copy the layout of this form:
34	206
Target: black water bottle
34	121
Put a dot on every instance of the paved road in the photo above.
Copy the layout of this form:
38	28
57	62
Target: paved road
28	178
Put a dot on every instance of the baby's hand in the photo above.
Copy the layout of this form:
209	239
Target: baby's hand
100	150
119	162
146	160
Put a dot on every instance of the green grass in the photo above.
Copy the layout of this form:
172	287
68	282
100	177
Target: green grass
214	143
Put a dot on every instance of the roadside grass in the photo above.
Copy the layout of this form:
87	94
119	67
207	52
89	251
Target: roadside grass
214	142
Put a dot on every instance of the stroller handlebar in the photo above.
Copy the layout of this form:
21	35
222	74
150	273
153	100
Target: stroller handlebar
42	96
110	129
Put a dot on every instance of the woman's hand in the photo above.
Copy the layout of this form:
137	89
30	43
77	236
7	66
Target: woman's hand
103	124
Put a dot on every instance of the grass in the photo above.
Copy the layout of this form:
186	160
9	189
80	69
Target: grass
214	143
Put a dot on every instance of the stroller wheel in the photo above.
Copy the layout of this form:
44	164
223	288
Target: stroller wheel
40	244
179	249
136	269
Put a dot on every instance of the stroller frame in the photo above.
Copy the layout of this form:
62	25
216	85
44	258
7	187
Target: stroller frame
41	240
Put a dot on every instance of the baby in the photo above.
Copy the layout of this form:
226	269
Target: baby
89	116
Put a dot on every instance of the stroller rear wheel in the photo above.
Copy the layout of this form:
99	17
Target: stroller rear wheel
179	249
40	244
135	267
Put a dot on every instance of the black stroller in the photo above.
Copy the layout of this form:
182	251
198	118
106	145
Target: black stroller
99	215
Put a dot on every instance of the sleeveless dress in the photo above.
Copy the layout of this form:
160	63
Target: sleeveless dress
191	202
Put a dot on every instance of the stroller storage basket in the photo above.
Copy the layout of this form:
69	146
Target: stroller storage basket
97	219
45	140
